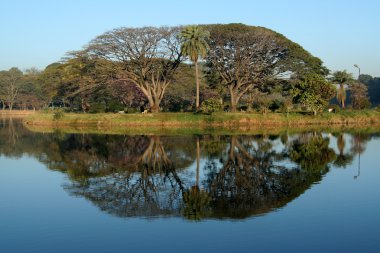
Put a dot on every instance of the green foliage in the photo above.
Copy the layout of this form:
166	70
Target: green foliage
342	77
196	204
172	103
313	91
97	108
313	154
194	42
114	106
58	114
211	105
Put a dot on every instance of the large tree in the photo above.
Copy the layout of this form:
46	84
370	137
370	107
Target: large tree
147	56
194	46
243	57
342	78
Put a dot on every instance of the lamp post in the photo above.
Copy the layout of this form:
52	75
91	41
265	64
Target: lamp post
357	66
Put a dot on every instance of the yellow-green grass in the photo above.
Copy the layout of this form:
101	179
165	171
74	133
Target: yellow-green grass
183	123
15	113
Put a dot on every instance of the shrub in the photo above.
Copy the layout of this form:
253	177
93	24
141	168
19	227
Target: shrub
97	108
211	105
58	114
132	110
115	106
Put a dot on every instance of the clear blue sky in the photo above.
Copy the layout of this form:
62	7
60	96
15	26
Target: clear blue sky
340	32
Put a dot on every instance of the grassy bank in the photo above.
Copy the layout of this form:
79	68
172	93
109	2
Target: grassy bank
184	122
16	113
170	131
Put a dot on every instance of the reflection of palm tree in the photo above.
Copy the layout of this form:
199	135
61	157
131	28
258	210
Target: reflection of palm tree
196	203
196	200
342	160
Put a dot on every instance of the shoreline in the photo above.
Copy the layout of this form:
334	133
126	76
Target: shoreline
198	123
16	113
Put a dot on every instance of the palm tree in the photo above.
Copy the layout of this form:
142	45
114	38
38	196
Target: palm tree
342	78
195	46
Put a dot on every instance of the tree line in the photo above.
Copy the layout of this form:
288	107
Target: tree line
205	68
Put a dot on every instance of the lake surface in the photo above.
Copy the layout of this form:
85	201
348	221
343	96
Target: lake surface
299	192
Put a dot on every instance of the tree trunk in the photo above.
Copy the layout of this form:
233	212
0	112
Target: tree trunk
343	96
234	101
197	86
154	107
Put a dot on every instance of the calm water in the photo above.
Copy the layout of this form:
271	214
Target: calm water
304	192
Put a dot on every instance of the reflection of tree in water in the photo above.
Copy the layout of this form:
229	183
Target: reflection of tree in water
9	136
146	176
196	200
146	185
342	159
249	181
312	152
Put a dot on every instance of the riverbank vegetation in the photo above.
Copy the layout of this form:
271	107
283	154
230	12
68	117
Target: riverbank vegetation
238	69
221	119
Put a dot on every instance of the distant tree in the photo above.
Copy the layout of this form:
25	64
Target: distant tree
9	86
364	78
342	78
359	96
146	56
313	91
194	46
51	79
373	84
31	94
